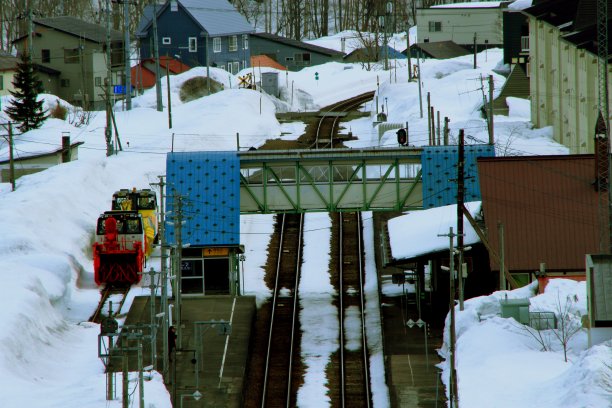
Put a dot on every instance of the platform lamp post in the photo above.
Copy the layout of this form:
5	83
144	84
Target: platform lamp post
388	14
381	25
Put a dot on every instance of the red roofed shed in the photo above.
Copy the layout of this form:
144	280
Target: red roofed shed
143	74
549	209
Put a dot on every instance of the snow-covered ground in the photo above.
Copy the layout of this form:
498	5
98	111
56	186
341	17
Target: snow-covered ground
48	352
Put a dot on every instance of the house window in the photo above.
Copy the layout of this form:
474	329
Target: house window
435	26
233	43
166	40
528	70
193	44
245	41
217	44
98	81
302	59
235	67
65	83
525	43
71	56
45	56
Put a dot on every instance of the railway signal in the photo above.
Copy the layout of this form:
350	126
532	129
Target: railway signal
316	76
402	137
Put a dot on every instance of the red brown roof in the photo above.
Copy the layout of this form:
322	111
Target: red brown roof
265	61
549	209
143	74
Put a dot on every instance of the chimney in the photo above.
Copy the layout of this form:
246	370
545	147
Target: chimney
65	147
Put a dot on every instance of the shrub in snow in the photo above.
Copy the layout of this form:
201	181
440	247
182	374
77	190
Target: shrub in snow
198	87
58	111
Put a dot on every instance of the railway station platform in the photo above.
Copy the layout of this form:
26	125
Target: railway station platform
220	373
410	355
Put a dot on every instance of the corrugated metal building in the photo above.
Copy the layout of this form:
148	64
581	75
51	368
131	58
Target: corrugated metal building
549	209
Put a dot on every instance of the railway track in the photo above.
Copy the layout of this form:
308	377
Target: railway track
279	389
275	367
349	372
328	125
111	302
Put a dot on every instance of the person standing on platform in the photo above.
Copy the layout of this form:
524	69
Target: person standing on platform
171	341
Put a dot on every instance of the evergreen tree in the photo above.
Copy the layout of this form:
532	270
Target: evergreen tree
24	107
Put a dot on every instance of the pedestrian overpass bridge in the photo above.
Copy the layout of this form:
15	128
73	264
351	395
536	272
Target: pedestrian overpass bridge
330	180
219	186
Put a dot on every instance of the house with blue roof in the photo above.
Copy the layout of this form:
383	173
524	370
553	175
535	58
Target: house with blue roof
198	33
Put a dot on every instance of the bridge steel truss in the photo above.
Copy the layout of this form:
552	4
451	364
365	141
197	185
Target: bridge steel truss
295	181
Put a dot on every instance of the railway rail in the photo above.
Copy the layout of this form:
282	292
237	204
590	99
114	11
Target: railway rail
327	126
278	387
275	368
351	366
111	302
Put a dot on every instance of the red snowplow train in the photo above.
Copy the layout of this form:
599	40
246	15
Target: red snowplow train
125	237
119	250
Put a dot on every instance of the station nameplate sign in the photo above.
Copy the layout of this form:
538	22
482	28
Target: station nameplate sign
222	251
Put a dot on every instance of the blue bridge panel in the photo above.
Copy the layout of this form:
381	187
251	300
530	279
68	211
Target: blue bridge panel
439	164
209	182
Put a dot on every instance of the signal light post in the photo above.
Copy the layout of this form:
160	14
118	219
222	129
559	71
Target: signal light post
402	137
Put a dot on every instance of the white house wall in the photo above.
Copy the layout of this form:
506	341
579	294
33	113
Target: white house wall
564	87
7	82
461	24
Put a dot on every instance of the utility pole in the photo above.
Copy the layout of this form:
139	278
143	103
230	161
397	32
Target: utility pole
158	91
502	260
454	398
340	15
110	383
125	401
126	47
9	127
164	273
108	129
178	224
429	130
169	97
438	129
420	97
460	194
30	33
446	130
208	63
152	288
491	87
475	50
408	51
602	134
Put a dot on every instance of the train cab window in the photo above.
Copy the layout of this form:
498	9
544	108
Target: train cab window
146	203
133	227
101	227
124	204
